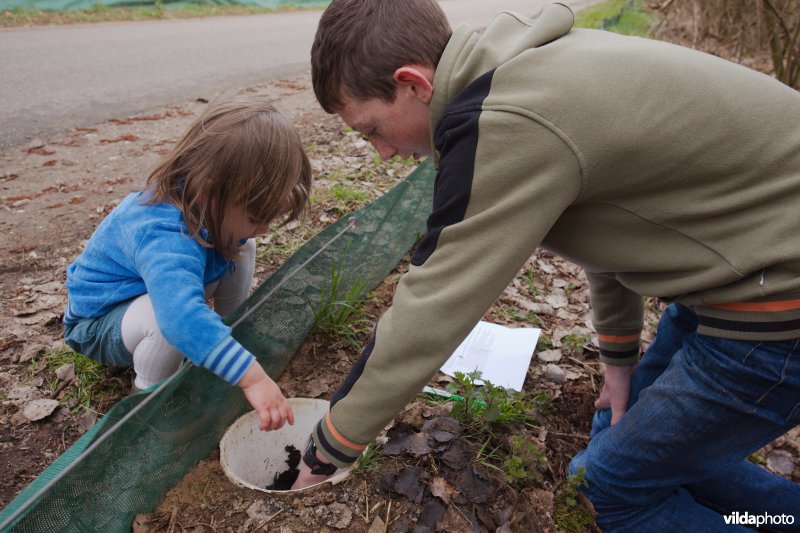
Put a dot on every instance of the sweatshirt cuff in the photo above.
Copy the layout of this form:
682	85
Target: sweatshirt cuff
229	360
619	349
336	448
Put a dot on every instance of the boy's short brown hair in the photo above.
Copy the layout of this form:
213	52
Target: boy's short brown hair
360	43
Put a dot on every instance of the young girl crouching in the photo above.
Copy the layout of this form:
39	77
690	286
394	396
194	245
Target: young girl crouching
137	293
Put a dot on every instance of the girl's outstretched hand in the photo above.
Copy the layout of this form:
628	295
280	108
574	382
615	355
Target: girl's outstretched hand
266	398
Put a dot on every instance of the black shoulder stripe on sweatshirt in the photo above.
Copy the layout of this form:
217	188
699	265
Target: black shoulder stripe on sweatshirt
456	140
355	373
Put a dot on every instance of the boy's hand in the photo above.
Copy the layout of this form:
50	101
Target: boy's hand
305	478
616	390
266	398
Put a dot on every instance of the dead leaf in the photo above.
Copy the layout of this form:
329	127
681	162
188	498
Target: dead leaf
30	351
317	387
38	303
39	150
51	287
377	526
419	444
122	138
780	462
39	317
66	372
21	395
528	305
543	501
472	487
409	483
458	455
38	409
87	421
340	516
442	489
549	356
501	516
398	439
453	520
556	300
442	428
413	413
18	418
431	514
439	409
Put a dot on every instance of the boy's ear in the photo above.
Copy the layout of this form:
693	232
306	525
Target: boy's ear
417	79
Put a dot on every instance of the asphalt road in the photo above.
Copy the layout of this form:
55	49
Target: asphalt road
54	78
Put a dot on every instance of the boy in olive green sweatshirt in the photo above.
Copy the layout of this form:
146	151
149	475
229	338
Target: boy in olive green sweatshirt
660	170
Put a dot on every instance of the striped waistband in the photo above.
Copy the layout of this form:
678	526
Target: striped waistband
773	320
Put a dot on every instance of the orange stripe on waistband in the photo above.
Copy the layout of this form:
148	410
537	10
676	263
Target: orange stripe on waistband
784	305
338	436
619	338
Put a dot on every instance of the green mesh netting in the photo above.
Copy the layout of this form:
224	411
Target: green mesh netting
127	462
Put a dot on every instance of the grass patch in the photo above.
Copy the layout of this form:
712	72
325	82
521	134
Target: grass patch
635	19
339	315
575	342
282	243
480	405
368	462
570	516
91	388
500	419
347	198
101	13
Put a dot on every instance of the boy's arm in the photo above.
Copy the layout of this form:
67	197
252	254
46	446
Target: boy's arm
618	316
492	208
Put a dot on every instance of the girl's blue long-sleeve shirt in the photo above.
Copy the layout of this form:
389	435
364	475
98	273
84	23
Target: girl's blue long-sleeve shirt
142	248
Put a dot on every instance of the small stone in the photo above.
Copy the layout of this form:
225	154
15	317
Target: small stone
555	374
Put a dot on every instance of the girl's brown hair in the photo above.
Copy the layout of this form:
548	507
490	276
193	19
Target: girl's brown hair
360	43
241	155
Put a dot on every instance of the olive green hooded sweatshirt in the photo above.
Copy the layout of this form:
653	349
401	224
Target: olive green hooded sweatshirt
662	171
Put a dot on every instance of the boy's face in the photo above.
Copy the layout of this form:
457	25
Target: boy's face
397	128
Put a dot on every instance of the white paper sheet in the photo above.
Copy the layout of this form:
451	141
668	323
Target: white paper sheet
501	354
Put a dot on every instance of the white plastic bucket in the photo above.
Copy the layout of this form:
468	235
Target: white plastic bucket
251	458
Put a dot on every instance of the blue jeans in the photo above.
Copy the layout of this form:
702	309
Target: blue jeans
100	338
699	406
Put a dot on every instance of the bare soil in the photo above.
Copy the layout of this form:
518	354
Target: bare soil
54	192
